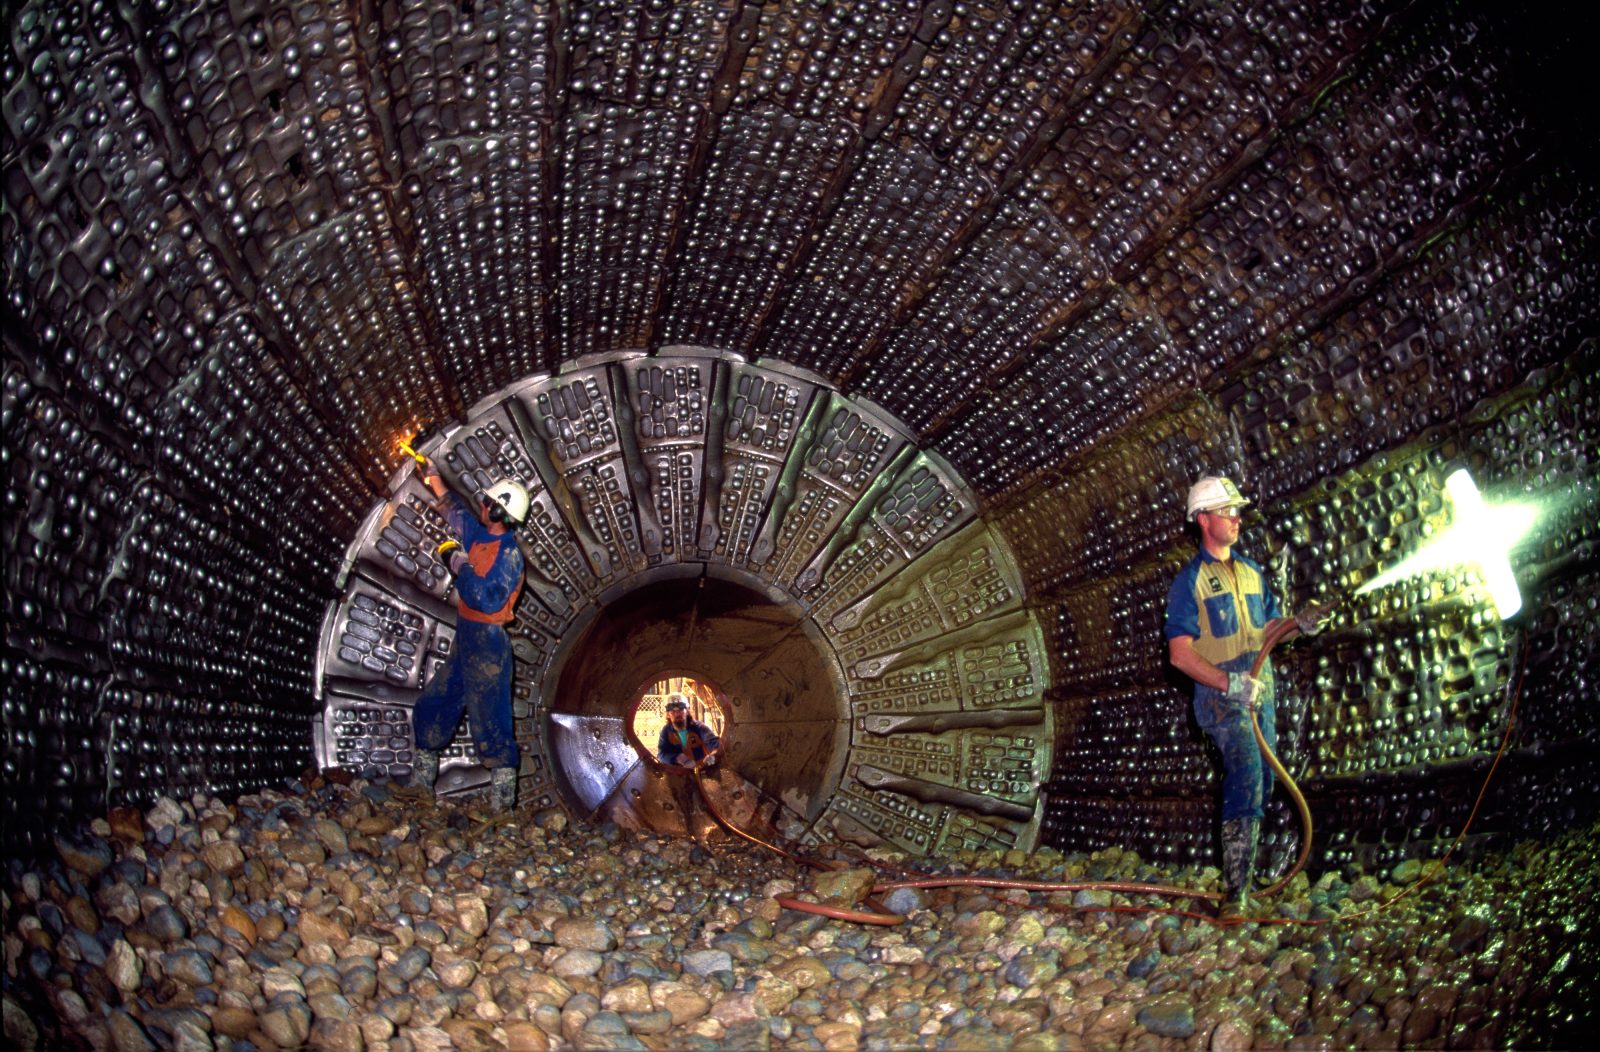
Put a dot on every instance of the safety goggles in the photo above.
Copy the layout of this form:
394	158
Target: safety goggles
494	511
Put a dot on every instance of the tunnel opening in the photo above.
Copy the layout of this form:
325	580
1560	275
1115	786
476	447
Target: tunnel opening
757	666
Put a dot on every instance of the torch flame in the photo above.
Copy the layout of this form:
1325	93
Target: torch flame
1479	535
404	445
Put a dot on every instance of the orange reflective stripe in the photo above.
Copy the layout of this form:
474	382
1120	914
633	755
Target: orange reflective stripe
482	557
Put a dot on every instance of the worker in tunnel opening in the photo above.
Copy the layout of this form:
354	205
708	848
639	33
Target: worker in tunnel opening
487	567
1219	611
685	741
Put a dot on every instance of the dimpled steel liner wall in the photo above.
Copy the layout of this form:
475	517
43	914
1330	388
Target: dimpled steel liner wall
1069	255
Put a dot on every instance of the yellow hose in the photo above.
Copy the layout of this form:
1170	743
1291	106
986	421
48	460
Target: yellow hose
1286	629
1283	631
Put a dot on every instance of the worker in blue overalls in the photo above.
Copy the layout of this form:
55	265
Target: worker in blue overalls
1218	612
684	740
487	566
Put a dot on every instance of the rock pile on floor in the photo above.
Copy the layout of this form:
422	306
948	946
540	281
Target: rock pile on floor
352	917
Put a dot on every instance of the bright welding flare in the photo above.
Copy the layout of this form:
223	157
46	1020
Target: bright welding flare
405	447
1479	535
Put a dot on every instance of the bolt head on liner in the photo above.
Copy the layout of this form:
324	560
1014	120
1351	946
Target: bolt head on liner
1213	493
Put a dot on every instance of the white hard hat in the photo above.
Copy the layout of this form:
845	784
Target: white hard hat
509	494
1212	493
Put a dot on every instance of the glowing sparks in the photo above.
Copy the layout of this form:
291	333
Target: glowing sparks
1479	536
404	445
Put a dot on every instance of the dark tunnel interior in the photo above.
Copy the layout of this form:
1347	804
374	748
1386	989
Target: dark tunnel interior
856	355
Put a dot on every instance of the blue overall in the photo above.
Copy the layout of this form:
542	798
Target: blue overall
1226	613
671	744
477	678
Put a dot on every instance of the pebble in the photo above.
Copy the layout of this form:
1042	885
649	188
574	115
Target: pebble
706	962
86	853
187	966
585	934
845	887
166	924
906	901
339	916
287	1022
1172	1017
577	963
123	967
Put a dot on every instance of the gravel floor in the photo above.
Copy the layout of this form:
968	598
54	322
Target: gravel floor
350	917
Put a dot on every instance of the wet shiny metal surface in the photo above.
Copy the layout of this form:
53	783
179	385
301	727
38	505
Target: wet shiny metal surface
598	758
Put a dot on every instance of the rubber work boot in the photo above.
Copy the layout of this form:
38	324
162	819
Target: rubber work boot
1239	839
425	769
503	789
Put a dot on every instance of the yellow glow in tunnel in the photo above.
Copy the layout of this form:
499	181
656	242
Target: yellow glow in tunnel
1480	536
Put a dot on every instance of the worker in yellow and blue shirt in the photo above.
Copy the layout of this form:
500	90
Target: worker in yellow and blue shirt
1218	612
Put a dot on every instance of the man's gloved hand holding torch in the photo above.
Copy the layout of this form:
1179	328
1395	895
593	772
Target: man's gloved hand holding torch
1313	617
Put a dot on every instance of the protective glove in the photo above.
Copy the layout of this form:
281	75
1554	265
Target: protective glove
709	761
1245	689
1313	617
453	556
685	760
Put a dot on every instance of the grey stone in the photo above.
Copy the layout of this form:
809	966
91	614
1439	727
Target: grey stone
1172	1017
743	947
905	901
1028	971
607	1030
187	966
1141	966
704	962
575	963
754	1035
166	924
411	963
118	901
